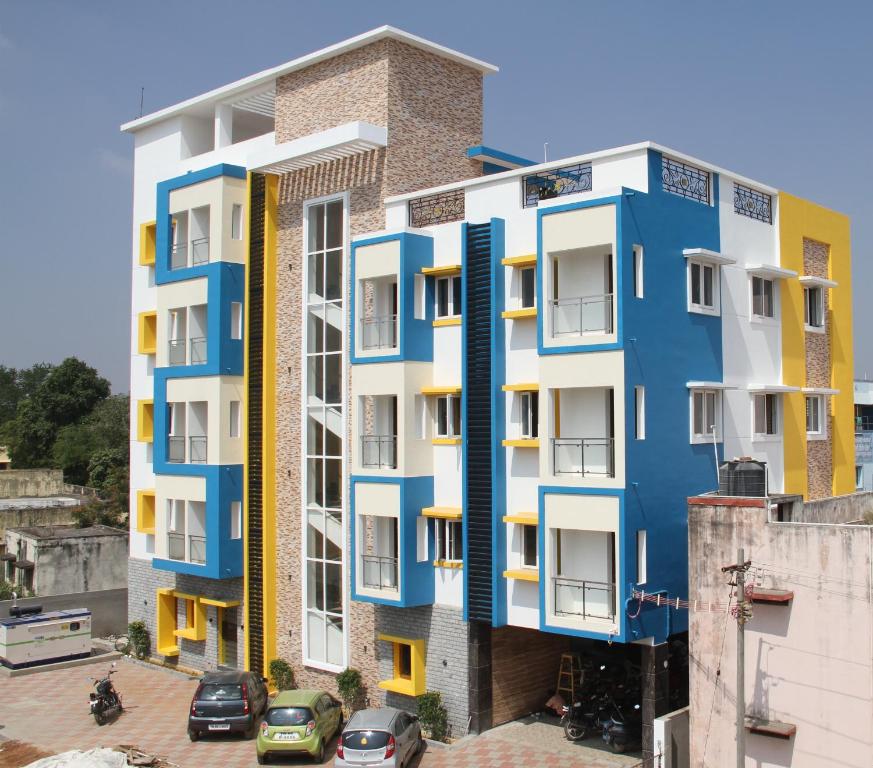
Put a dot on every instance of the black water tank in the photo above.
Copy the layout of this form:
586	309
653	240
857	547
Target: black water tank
743	477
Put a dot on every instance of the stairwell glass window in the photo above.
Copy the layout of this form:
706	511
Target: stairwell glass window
705	414
448	416
448	535
815	417
529	414
702	287
766	415
763	297
448	296
813	314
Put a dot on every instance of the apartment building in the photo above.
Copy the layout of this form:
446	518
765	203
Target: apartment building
410	404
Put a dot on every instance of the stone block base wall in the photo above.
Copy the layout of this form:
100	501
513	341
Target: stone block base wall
143	583
444	632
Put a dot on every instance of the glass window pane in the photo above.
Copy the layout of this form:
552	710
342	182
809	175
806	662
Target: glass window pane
314	333
315	533
333	587
456	416
333	338
768	298
333	482
528	287
315	385
698	413
442	297
315	281
456	295
316	229
333	445
333	378
315	432
534	413
315	585
442	416
525	414
695	284
315	635
335	224
334	276
707	286
333	536
314	481
335	640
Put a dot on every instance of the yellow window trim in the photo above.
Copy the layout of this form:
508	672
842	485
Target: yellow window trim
444	513
522	574
442	390
168	650
526	260
415	684
147	333
446	441
145	422
442	271
531	387
448	564
527	443
145	518
147	239
219	603
522	518
519	314
442	322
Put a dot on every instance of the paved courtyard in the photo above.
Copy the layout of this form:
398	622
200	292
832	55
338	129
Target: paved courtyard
50	710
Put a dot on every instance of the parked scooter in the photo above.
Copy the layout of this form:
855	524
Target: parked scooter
105	700
584	717
624	728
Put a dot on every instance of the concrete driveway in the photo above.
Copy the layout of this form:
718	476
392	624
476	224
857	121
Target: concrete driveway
50	710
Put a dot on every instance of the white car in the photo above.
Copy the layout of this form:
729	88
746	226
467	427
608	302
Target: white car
389	738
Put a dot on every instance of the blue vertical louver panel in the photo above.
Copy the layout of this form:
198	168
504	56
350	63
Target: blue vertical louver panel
477	313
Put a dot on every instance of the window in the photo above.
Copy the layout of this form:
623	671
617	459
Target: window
235	320
448	295
529	546
702	286
766	415
449	540
638	271
236	519
419	294
528	277
421	554
640	412
235	421
236	222
762	297
408	666
704	414
448	416
813	316
529	414
641	557
815	416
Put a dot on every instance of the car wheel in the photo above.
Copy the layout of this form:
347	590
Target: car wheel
193	735
319	756
262	759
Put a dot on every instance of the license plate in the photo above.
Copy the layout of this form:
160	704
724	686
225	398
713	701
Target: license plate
219	726
287	736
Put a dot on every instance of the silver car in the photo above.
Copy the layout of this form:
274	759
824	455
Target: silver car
387	737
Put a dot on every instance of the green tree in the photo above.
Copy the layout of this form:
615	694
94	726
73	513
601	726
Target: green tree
17	385
101	438
70	392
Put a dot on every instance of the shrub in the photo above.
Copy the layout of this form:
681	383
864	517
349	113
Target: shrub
140	643
282	674
351	689
432	715
6	590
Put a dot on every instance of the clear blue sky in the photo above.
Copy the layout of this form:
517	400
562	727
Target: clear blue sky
779	91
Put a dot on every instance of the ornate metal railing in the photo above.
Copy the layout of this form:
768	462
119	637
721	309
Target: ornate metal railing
197	449
752	203
379	572
197	549
379	451
176	546
436	209
583	456
684	180
179	256
198	350
176	449
379	332
200	251
555	183
176	352
587	599
583	314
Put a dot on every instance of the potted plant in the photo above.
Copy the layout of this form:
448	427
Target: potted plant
351	690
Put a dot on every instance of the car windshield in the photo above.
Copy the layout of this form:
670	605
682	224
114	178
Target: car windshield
220	692
288	716
365	739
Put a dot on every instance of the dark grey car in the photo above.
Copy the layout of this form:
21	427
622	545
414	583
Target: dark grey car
227	702
388	738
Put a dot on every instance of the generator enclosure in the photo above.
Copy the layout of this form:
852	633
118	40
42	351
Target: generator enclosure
44	638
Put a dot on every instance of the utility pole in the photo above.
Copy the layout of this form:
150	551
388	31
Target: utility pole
744	613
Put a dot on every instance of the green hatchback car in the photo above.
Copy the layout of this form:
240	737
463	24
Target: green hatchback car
299	721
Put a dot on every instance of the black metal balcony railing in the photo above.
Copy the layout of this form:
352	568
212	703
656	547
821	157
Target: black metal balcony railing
440	208
176	546
198	350
583	456
582	314
200	251
176	449
197	549
555	183
379	572
176	352
586	599
197	449
179	256
379	332
379	451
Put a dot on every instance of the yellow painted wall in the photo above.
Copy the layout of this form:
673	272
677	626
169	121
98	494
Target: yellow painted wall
799	219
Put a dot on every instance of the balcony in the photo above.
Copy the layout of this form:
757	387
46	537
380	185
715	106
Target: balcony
379	332
584	456
176	546
197	549
179	256
199	251
176	449
582	599
580	315
176	352
379	572
197	449
379	451
198	350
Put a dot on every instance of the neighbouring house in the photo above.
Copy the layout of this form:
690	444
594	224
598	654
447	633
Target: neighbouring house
5	462
404	402
864	435
809	644
62	559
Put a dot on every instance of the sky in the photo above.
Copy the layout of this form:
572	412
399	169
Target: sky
779	91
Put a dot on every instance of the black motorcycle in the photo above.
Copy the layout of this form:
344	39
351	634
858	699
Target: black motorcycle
105	700
584	717
623	728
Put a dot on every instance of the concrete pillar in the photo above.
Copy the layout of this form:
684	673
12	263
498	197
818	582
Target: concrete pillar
479	676
223	125
655	693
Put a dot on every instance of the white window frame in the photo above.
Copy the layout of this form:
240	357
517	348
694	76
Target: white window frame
236	320
447	550
450	425
452	310
700	307
640	412
524	531
525	401
693	399
774	398
818	291
821	405
774	299
639	272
